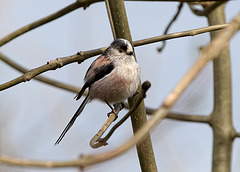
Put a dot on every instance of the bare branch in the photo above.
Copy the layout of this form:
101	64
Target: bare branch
188	118
74	89
206	10
145	86
170	24
221	117
44	20
43	79
179	34
197	1
52	65
87	54
209	52
95	143
183	117
237	135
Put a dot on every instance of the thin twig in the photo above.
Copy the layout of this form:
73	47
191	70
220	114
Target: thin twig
44	20
209	52
94	143
74	89
58	14
145	86
237	135
183	117
189	118
52	65
87	54
43	79
207	10
197	1
170	24
179	34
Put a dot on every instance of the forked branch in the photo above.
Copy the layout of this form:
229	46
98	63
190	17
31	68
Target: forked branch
209	52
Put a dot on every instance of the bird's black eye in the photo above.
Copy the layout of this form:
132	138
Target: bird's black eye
120	50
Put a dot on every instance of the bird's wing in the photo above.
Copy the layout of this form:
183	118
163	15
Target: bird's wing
98	69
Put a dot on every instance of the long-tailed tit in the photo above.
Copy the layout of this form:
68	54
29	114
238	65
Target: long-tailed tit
112	77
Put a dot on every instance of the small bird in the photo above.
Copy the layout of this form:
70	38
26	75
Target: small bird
112	78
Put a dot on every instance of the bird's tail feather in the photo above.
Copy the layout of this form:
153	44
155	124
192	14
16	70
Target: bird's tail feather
71	122
79	95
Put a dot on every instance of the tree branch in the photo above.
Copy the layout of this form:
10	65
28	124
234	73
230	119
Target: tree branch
44	20
58	63
95	141
183	117
170	24
237	135
197	1
43	79
74	89
145	86
206	10
179	34
138	118
52	65
209	52
189	118
221	117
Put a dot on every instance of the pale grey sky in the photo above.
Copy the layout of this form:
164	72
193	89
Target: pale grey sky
34	114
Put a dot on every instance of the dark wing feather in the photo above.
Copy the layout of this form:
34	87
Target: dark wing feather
102	71
98	69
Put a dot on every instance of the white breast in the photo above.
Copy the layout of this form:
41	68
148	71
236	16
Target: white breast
119	85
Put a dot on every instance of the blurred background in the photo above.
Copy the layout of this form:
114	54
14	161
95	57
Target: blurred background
34	114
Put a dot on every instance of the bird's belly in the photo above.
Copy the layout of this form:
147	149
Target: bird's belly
115	88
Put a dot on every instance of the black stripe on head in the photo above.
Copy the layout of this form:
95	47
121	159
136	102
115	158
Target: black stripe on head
120	44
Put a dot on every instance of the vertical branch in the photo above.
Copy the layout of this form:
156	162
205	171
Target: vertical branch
118	18
221	118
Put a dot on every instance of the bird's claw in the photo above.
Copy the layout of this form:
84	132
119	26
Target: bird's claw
113	112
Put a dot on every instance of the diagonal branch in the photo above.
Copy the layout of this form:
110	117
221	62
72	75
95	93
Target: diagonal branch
43	79
189	118
58	63
206	10
65	86
179	34
170	24
44	20
183	117
237	135
97	141
112	116
209	52
138	118
52	65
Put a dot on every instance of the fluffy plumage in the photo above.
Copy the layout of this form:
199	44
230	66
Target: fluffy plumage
112	77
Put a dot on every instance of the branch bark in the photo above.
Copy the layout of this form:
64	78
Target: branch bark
58	63
43	79
44	20
52	65
209	52
119	24
221	118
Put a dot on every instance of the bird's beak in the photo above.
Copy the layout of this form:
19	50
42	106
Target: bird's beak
130	53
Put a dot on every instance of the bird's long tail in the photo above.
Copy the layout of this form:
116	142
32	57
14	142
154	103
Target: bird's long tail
71	122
